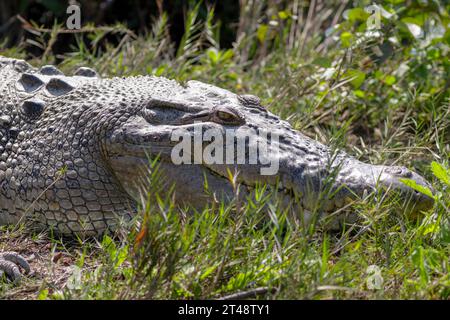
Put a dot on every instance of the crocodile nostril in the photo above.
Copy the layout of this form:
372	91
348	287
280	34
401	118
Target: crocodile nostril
400	171
407	173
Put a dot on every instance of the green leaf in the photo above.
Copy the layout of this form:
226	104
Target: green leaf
262	32
440	172
357	77
325	257
359	93
379	75
433	54
356	14
418	258
445	233
227	55
432	228
390	80
395	1
283	15
346	39
43	295
419	19
121	256
108	244
446	37
213	55
413	185
323	62
160	70
207	272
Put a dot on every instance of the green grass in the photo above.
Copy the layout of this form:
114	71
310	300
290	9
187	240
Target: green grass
388	108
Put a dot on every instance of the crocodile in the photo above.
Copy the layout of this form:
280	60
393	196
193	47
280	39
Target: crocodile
74	151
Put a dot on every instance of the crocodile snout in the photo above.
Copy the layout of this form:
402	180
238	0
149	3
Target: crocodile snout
391	178
360	179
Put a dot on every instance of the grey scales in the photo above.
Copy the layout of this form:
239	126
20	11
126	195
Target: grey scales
74	150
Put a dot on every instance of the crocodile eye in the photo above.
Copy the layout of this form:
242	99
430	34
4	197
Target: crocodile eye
227	117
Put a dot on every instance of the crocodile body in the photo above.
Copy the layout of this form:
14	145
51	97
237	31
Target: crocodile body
73	149
41	135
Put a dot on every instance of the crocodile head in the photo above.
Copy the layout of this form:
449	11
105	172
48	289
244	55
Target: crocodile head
196	129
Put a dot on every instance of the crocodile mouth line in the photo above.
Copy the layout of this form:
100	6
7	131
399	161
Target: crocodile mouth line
277	188
328	204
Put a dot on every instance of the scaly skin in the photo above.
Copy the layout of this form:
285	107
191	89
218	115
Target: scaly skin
74	149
